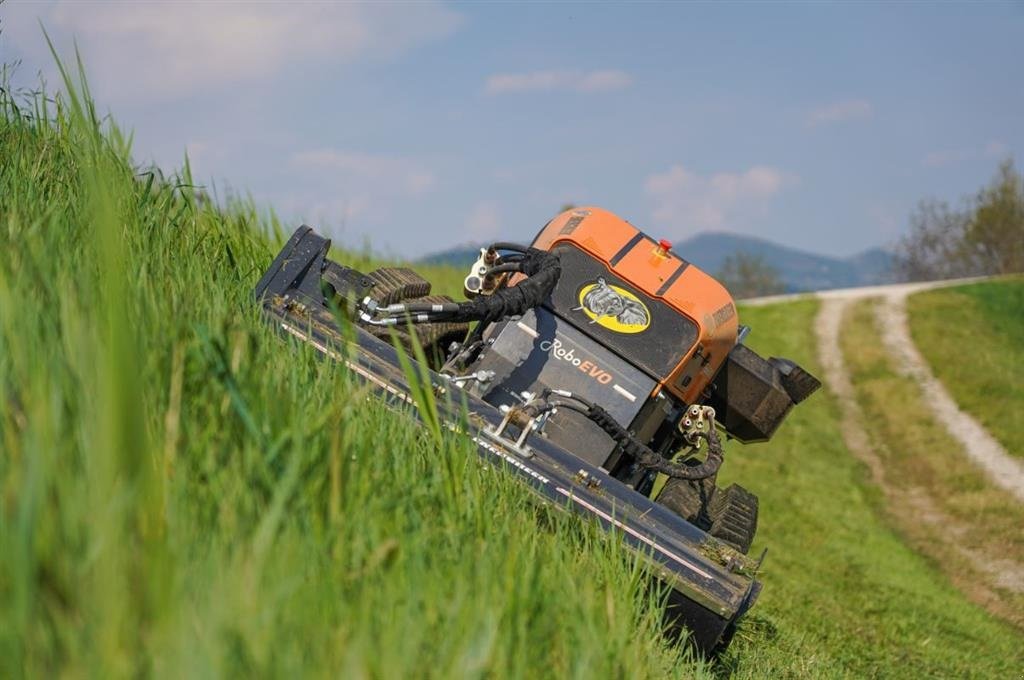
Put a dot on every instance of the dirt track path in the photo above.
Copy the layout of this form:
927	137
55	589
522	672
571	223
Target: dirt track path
977	443
983	449
983	575
987	453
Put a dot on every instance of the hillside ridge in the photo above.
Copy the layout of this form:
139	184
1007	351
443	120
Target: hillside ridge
799	270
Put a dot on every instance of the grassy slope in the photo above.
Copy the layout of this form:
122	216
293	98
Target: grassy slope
973	338
844	595
180	493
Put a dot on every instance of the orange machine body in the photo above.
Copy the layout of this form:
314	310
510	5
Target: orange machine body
660	274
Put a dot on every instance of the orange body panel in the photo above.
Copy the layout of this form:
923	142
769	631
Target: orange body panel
660	274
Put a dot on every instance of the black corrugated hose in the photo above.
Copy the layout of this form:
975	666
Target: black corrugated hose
542	270
653	461
643	455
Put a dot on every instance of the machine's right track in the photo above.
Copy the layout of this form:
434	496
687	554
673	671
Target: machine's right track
728	514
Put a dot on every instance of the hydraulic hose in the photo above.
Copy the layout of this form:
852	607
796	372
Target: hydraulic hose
651	460
542	271
643	455
515	247
513	266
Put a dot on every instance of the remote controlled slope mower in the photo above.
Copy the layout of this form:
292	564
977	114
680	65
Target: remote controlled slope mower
596	365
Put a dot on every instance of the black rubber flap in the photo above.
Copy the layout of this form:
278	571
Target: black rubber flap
748	396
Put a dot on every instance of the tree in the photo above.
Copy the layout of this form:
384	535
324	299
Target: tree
994	238
985	236
934	247
746	275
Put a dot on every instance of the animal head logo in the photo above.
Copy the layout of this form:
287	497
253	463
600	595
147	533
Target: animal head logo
613	307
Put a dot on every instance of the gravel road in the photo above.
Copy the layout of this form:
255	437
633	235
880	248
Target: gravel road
988	454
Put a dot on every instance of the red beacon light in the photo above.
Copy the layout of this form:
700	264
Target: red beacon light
664	245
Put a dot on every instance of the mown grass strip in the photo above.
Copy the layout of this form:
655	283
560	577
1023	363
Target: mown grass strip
938	498
845	596
973	338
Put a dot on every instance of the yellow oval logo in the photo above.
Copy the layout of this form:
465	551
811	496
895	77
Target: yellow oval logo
614	308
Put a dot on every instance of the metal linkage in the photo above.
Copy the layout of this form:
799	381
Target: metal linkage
527	418
481	377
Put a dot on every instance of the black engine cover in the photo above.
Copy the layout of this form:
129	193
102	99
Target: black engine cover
541	350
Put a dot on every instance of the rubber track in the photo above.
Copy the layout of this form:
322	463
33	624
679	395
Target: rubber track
395	284
733	514
729	514
684	498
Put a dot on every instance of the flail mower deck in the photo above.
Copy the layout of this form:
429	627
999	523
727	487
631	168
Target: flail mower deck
598	372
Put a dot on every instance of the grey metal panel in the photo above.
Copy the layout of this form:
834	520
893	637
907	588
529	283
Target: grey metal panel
541	350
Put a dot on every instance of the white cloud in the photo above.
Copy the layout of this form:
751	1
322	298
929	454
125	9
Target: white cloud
849	109
393	174
996	149
170	49
940	159
688	202
541	81
351	194
603	81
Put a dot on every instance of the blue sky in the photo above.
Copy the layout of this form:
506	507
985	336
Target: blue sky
419	125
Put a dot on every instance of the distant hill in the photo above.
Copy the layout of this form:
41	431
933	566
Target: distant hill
799	270
461	255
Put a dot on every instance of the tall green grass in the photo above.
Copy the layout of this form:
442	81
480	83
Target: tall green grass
184	494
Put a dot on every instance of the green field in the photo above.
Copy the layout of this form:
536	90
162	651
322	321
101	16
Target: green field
938	498
183	494
973	338
845	596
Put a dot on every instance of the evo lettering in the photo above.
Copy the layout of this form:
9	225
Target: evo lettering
589	368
